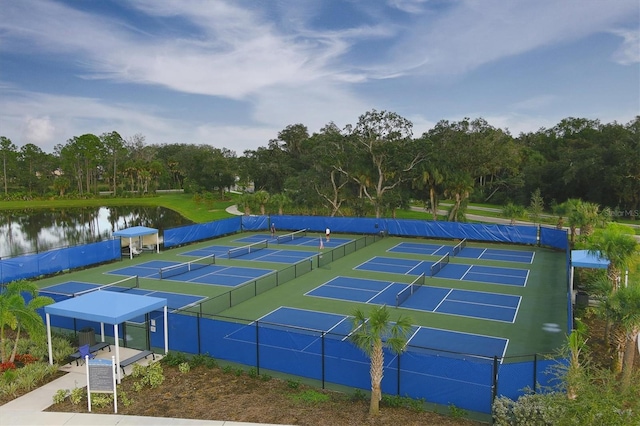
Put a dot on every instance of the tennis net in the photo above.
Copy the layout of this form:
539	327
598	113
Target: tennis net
250	248
183	268
291	236
441	263
407	292
459	247
123	285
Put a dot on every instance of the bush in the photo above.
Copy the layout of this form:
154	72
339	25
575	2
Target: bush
150	376
174	359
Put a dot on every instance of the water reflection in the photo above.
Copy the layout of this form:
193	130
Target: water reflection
35	230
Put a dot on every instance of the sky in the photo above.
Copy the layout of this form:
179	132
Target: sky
233	74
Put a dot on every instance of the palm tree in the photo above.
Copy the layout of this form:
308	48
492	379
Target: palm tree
589	214
262	198
561	210
17	314
513	211
245	202
576	343
573	217
458	187
615	243
430	179
372	335
624	308
280	201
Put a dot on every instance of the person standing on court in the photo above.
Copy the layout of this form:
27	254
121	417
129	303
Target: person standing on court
327	232
273	229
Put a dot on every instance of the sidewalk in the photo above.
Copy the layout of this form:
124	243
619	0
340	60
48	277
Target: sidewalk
29	408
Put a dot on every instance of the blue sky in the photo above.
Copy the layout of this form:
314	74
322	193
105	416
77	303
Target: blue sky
234	73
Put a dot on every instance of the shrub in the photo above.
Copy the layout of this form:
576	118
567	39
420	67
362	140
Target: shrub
100	400
174	359
265	377
60	396
152	376
203	359
76	395
359	395
124	398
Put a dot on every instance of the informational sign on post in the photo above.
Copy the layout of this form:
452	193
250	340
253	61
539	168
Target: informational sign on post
101	378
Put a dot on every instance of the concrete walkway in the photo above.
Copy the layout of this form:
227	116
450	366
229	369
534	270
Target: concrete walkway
29	408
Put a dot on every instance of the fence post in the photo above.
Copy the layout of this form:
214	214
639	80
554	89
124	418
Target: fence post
322	358
495	378
398	378
535	371
257	349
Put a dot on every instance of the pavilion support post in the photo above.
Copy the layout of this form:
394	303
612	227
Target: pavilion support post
49	344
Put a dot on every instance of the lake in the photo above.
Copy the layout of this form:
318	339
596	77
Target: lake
35	230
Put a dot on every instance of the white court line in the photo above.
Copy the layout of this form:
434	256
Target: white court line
443	299
466	272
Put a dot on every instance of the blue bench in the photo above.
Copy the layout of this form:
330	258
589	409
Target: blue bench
137	357
92	349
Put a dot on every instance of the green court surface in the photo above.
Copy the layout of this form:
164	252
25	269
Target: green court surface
540	325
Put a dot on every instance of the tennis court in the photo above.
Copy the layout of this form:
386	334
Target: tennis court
229	276
422	248
497	254
175	301
297	238
337	326
257	251
452	271
466	303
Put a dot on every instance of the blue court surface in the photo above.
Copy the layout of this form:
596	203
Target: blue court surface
466	303
306	241
257	254
174	300
453	271
497	254
339	327
229	276
422	249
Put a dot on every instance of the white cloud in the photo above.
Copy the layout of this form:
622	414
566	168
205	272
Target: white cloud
38	130
629	52
473	33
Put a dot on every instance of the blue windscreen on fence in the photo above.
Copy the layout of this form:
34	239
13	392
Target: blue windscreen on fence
520	378
346	365
464	383
518	234
183	333
53	261
556	238
290	351
351	225
230	341
203	231
255	223
94	253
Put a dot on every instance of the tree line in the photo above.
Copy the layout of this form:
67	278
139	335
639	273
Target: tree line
373	167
